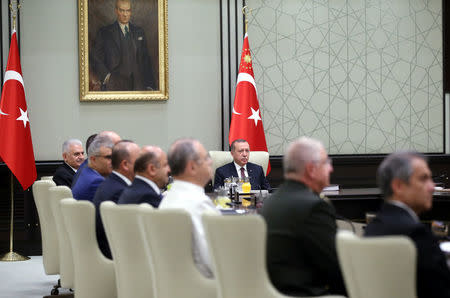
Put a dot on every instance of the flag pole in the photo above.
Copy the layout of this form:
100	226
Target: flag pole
246	11
12	256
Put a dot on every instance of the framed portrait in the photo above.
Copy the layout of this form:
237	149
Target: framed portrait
123	50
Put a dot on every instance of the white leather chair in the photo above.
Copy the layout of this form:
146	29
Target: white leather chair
355	227
57	193
377	267
47	178
49	236
220	158
94	273
50	246
134	270
169	237
238	249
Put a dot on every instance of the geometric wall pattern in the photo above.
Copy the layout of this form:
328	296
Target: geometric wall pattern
364	77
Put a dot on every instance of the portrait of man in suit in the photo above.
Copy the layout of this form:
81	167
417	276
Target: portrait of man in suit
123	49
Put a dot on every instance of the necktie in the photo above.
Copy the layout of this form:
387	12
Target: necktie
127	32
242	173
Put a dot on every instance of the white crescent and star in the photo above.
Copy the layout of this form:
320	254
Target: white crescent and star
14	75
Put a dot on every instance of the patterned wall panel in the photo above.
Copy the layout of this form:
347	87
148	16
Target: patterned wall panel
364	77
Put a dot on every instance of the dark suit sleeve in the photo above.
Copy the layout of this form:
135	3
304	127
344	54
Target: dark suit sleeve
62	180
219	177
432	265
144	61
264	183
98	55
63	176
320	232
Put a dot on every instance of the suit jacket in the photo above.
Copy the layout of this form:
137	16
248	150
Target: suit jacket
86	185
140	192
255	172
433	275
107	56
64	175
301	251
108	190
78	173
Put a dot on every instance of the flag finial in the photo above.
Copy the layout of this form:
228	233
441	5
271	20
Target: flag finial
246	12
14	6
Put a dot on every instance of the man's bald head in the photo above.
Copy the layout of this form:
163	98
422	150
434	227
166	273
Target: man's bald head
152	164
115	138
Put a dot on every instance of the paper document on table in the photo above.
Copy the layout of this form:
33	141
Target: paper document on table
331	187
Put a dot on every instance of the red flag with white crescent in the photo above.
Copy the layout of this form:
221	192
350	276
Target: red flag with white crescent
16	147
246	122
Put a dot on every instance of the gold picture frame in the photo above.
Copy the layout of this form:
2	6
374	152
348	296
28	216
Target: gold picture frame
102	35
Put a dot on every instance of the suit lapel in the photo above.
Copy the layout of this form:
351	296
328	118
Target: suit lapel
233	171
117	34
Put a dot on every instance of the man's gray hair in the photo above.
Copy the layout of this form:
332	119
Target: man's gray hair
397	165
97	143
66	145
299	153
181	152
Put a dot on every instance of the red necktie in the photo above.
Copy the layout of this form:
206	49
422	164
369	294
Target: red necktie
242	173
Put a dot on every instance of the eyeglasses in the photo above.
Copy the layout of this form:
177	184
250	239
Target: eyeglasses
105	156
328	161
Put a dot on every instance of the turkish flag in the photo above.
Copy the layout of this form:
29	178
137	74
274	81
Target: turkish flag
246	122
16	147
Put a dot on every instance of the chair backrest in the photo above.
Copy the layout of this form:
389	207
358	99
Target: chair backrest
376	267
134	270
47	178
169	237
57	193
355	227
94	273
220	158
238	248
50	246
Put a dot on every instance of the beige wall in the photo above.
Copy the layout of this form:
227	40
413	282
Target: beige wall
49	51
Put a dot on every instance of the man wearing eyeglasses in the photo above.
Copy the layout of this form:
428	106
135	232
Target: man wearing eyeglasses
99	166
301	226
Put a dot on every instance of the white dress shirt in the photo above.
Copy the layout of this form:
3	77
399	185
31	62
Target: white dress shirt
122	27
125	179
192	198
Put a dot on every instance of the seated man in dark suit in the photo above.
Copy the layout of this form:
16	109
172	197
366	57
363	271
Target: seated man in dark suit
406	182
73	156
301	226
124	154
99	167
152	174
239	167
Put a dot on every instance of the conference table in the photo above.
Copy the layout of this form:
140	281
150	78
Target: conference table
355	203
